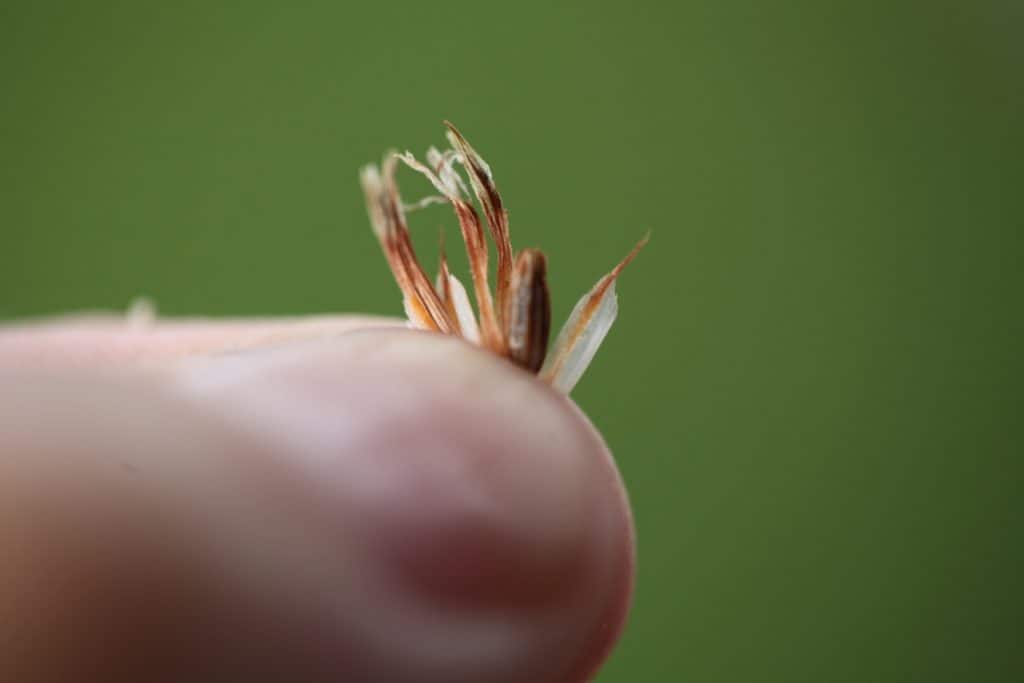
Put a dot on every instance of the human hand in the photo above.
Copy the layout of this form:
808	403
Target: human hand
324	499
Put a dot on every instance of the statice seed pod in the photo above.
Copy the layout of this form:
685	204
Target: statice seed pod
515	323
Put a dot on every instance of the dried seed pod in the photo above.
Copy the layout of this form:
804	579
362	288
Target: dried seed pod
527	313
517	328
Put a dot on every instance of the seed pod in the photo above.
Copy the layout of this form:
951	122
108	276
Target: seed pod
515	323
527	312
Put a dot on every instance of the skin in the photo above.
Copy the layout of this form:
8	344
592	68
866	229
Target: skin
329	499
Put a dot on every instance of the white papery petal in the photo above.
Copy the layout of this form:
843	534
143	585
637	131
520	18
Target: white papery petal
463	310
573	349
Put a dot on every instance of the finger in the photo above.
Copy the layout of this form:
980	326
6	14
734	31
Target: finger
117	342
383	505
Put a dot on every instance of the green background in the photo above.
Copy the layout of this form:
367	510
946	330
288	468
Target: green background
813	386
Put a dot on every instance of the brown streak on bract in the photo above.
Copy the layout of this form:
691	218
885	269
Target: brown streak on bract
596	295
422	290
494	211
605	282
444	289
382	218
476	251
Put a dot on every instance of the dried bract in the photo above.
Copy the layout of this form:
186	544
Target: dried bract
516	322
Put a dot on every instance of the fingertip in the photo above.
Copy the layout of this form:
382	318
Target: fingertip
378	505
475	488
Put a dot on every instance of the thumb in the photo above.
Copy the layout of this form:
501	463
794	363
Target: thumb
381	505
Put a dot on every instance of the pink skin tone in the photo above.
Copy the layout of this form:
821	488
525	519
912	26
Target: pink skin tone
326	499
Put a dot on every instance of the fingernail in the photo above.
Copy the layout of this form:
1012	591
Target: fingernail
478	517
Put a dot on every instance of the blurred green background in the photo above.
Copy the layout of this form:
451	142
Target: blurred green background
813	386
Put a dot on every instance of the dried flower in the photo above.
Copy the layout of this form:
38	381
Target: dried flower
516	321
